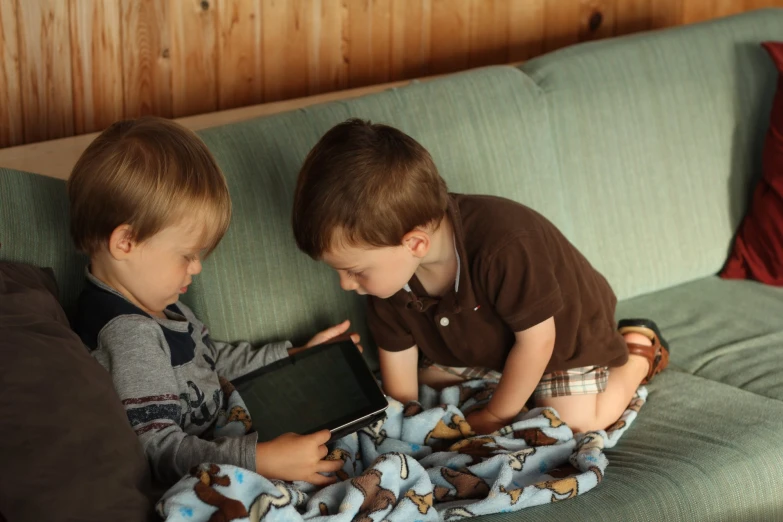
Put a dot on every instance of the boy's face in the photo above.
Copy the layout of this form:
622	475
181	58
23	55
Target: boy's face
381	271
154	273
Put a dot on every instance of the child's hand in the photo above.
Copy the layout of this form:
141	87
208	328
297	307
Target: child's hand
482	422
292	457
330	334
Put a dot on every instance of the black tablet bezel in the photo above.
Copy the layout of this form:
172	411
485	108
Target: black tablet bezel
361	372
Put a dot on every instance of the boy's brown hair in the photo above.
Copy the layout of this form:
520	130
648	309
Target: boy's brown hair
149	173
365	184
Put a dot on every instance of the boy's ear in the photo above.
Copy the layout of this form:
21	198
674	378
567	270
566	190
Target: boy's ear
121	242
418	242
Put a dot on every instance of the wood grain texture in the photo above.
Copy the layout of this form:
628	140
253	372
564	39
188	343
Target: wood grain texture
489	30
526	29
410	31
632	16
285	25
450	36
146	58
562	24
74	66
597	19
45	69
96	60
11	117
193	57
240	56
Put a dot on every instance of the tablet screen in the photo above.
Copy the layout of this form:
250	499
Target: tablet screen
324	387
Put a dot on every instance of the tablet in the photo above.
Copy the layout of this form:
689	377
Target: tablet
328	386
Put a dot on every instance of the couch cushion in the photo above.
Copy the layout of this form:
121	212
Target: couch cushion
66	447
484	129
715	456
726	331
659	140
34	229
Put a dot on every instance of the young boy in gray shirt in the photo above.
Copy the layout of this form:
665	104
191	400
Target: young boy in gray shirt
148	203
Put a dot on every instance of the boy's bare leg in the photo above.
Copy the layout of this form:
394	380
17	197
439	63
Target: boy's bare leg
438	379
599	411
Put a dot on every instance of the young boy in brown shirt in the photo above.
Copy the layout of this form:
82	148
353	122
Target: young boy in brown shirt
462	286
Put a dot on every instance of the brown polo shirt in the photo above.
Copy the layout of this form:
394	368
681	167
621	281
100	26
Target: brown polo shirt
516	270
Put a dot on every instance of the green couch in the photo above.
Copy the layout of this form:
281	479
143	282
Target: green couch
642	149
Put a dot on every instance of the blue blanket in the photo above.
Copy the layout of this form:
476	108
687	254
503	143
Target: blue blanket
421	463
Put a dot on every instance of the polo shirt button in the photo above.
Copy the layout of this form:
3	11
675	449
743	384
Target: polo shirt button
444	321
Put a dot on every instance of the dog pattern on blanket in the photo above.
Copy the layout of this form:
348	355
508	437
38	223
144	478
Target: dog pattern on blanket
422	462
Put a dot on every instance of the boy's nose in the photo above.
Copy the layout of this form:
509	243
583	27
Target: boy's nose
348	284
195	267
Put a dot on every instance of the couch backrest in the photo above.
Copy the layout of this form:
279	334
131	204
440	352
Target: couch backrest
658	140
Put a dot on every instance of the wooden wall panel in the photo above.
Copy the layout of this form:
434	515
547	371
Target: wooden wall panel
239	70
193	57
632	16
285	29
449	36
146	58
526	29
74	66
96	60
11	115
43	29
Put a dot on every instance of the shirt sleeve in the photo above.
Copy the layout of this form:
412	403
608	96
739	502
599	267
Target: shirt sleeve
521	283
236	360
133	349
387	326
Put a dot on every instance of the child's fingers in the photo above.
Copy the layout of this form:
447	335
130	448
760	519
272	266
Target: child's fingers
329	333
320	437
359	346
329	466
355	337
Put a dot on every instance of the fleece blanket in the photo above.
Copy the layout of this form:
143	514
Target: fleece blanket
420	463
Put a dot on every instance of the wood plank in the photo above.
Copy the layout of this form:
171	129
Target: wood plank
526	29
11	116
666	13
598	19
359	42
697	11
760	4
55	158
562	21
450	35
632	16
380	41
284	31
731	7
411	23
45	69
328	46
193	57
240	55
146	58
96	61
489	32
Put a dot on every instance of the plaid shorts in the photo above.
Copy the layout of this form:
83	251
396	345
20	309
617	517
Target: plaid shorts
586	380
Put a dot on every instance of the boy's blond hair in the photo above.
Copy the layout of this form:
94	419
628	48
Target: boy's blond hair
365	184
149	173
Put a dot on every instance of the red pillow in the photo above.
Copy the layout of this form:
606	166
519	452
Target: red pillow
758	248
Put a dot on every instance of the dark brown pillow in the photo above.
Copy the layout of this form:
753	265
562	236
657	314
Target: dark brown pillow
66	448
